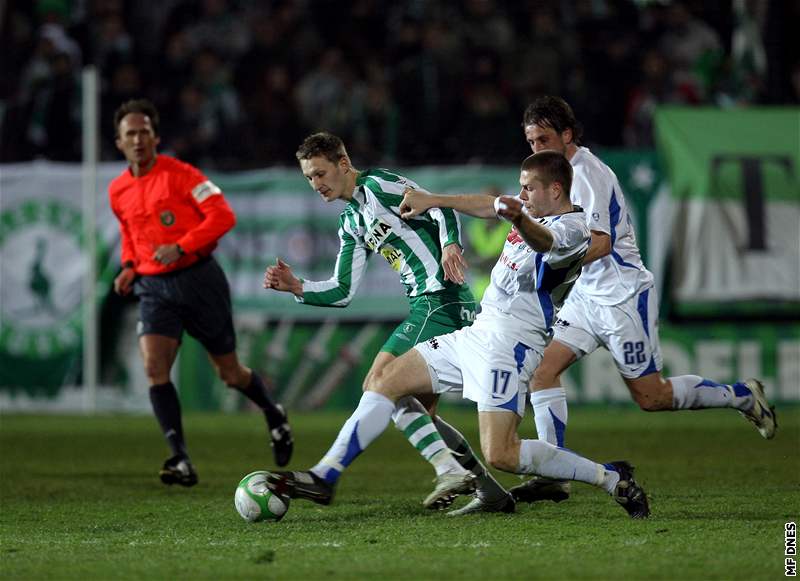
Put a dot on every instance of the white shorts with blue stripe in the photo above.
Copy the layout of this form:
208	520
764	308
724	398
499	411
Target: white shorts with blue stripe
628	330
489	368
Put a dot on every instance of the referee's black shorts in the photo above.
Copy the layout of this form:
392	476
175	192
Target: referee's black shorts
196	299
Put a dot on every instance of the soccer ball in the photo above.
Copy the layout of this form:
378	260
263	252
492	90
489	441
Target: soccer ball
255	502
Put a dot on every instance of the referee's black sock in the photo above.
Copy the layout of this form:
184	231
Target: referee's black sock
167	408
256	391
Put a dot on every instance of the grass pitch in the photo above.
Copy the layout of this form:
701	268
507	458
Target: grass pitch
80	498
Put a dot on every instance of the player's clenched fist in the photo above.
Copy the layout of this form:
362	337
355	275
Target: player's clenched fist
510	208
414	203
279	276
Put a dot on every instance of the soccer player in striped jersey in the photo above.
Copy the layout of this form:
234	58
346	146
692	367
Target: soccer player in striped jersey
426	253
492	360
614	305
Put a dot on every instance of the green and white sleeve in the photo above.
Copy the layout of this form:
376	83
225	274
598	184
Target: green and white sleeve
351	263
449	226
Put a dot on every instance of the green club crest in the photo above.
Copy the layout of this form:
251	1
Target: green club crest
41	277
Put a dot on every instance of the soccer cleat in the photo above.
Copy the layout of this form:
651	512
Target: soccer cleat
281	440
479	504
448	487
761	415
178	470
628	493
301	485
538	488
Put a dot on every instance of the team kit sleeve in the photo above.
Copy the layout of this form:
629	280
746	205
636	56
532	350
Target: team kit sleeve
593	194
351	263
449	226
218	217
571	238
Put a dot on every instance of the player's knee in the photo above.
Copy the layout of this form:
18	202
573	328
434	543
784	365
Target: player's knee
650	402
545	376
499	457
375	381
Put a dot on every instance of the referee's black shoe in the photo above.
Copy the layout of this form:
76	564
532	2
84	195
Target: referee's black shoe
178	470
281	439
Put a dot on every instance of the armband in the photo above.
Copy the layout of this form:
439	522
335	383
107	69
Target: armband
127	264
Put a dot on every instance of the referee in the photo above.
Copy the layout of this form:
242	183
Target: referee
171	217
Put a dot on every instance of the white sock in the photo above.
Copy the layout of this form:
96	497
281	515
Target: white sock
545	459
550	414
370	419
692	392
488	488
411	418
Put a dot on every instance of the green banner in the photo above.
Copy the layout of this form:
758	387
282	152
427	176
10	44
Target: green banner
735	192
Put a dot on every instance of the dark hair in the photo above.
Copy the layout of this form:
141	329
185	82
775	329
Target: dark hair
553	112
143	106
552	167
322	144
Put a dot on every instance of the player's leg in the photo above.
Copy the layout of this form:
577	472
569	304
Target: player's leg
637	353
504	450
413	420
574	337
433	316
491	496
406	375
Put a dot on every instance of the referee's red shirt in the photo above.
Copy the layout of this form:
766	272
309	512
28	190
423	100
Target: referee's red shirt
173	203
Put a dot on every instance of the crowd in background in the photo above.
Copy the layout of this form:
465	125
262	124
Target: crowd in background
240	83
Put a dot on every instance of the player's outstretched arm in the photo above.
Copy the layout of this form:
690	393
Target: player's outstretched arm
416	202
279	276
538	236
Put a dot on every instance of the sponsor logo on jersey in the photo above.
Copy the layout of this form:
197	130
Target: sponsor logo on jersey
167	218
596	216
433	343
508	262
377	233
559	322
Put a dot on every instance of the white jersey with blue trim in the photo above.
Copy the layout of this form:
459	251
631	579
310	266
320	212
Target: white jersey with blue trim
621	274
528	287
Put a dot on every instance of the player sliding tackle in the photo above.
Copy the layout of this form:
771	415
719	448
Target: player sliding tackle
492	361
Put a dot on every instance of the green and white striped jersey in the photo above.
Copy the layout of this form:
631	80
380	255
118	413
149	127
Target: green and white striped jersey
371	223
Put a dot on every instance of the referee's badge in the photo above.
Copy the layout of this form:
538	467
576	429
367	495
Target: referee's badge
167	218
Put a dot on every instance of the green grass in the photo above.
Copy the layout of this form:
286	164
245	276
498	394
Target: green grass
80	499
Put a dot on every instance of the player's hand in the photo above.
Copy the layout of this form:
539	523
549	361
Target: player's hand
167	254
511	209
123	284
279	277
453	263
414	203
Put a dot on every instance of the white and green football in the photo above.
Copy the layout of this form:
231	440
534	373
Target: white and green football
255	502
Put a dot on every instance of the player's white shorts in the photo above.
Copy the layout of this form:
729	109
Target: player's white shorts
628	330
489	368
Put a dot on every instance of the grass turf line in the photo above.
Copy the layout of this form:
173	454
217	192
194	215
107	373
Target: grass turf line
80	498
